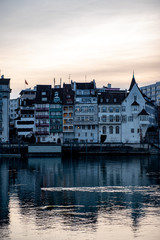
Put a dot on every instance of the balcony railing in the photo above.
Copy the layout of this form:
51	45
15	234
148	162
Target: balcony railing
41	116
42	133
42	124
41	109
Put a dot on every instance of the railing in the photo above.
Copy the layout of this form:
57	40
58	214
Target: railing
41	109
42	116
42	133
42	124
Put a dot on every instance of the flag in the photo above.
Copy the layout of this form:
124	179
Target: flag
26	82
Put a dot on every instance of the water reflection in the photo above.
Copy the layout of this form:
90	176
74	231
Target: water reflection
82	196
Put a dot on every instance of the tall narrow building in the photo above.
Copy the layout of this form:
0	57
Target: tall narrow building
4	108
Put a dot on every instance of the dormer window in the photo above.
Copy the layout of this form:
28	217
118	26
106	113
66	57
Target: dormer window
135	97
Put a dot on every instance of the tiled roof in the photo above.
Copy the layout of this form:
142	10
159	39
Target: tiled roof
111	97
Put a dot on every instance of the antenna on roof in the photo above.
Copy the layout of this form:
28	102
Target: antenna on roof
60	81
69	77
54	80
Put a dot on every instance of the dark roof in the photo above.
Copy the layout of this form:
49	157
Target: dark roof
143	112
111	97
135	103
90	85
132	83
39	96
4	81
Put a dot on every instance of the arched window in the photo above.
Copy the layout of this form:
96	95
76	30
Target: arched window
111	130
117	129
104	129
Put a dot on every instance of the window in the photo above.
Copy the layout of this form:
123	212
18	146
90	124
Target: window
79	127
104	118
85	134
111	109
132	130
82	119
130	119
111	118
104	109
117	109
124	118
79	135
111	130
89	127
43	139
91	109
43	93
84	109
138	130
44	99
135	97
135	108
83	127
117	118
115	100
93	126
104	130
91	118
144	118
117	129
123	108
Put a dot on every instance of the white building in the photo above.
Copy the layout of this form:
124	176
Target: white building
13	107
4	108
25	122
86	112
109	115
138	113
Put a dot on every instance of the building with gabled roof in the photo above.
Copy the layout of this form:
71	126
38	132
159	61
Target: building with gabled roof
138	113
109	115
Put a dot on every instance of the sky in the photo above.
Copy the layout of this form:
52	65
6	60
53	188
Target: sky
79	40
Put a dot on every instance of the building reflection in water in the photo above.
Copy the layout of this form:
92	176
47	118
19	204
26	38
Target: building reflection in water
80	193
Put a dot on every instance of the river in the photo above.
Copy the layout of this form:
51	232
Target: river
87	198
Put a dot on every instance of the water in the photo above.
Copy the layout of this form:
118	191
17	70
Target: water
85	198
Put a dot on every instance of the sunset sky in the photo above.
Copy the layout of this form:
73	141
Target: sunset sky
87	39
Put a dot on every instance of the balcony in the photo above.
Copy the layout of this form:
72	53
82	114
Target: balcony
41	109
42	133
42	124
42	116
55	109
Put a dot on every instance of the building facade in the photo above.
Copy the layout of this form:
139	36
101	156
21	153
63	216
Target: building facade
68	113
109	115
4	108
136	115
86	112
25	122
152	91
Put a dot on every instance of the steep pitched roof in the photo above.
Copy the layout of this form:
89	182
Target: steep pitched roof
143	112
135	103
132	82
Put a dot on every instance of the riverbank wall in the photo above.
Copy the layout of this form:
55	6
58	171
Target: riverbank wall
77	148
